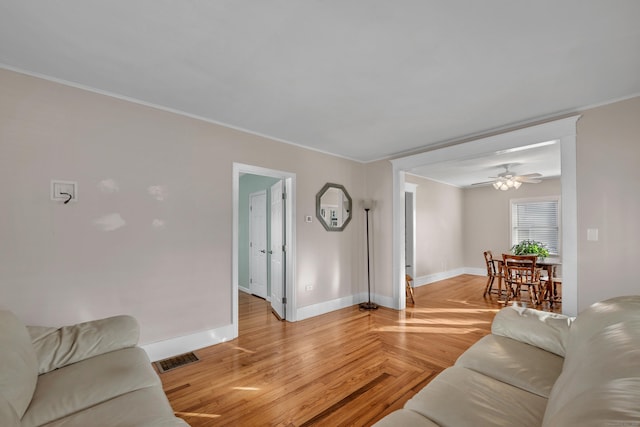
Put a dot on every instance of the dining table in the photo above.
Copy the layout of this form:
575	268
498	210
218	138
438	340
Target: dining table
549	264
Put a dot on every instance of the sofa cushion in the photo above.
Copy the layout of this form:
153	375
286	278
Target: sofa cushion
613	403
18	363
513	362
548	331
602	355
8	415
58	347
87	383
405	418
147	407
461	397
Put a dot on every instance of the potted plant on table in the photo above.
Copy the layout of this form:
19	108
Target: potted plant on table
530	247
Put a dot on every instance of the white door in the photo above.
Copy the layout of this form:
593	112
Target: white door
277	252
258	243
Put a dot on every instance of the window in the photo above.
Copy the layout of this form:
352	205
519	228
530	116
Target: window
537	219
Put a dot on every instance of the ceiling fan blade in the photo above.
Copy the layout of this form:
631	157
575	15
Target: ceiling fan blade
482	183
526	180
531	175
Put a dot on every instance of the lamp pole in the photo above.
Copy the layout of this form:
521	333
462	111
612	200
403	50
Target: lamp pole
368	305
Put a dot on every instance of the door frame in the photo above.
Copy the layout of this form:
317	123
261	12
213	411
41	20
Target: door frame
289	180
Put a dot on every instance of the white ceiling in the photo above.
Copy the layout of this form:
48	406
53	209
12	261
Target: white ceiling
468	172
362	79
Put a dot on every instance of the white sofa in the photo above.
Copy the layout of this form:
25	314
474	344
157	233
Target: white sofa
540	369
89	374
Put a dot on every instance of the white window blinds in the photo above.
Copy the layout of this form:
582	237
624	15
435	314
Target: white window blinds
536	220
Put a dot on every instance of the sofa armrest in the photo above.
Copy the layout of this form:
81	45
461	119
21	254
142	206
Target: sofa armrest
58	347
548	331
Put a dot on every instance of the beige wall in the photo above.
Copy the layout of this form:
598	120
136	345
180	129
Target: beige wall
439	226
486	218
170	263
608	181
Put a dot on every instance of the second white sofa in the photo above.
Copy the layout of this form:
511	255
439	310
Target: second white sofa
540	369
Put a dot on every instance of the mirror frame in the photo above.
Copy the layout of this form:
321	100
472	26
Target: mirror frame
323	190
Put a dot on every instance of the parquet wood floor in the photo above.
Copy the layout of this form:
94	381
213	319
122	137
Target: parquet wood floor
345	368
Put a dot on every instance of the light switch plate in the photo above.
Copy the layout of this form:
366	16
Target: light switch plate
58	187
592	234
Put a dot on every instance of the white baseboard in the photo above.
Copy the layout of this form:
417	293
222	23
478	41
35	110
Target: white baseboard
475	271
337	304
431	278
174	346
327	306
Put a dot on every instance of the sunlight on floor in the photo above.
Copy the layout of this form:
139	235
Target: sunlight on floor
442	321
244	350
247	388
452	310
427	330
197	414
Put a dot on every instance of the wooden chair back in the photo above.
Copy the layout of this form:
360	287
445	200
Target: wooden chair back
521	270
491	267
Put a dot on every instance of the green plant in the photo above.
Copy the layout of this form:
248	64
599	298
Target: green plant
528	247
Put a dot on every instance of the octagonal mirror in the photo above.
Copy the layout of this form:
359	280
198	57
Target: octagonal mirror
333	207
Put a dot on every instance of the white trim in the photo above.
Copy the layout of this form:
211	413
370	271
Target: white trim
174	346
340	303
431	278
475	271
564	130
329	306
399	299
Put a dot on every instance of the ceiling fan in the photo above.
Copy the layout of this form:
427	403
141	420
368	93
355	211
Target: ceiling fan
509	179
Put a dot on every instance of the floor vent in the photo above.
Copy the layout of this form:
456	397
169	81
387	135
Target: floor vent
175	362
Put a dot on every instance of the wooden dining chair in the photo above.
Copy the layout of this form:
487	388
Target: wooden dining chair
409	288
494	269
521	272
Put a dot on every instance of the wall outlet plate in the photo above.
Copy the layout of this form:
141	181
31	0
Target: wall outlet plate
58	187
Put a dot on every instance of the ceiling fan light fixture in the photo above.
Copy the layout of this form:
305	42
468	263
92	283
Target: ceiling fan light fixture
506	184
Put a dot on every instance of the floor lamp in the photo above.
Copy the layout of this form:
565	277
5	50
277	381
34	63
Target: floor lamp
368	205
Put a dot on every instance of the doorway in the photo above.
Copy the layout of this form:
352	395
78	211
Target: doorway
280	259
410	228
564	130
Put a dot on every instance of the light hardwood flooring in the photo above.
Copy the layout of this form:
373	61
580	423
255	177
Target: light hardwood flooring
345	368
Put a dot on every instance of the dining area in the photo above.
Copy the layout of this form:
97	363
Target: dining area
523	278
